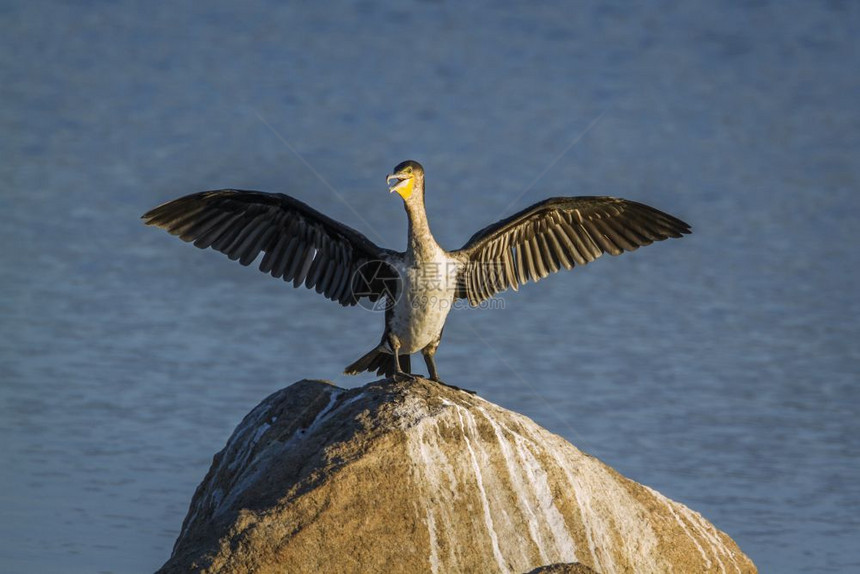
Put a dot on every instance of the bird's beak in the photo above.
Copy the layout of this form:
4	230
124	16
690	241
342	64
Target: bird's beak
403	185
397	179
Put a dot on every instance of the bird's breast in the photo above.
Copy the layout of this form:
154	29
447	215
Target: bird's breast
424	302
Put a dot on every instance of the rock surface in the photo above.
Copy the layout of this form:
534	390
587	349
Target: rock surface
563	569
417	477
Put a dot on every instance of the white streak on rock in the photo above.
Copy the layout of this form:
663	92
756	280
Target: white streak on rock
590	520
259	432
234	455
684	517
594	487
686	530
217	495
241	442
247	470
521	490
718	548
429	460
552	519
436	483
485	503
434	543
324	413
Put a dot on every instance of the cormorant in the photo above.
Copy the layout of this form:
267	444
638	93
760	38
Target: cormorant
418	287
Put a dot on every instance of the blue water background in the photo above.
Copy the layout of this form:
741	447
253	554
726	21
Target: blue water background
721	369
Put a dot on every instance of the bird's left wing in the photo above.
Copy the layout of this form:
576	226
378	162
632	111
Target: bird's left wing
300	244
555	233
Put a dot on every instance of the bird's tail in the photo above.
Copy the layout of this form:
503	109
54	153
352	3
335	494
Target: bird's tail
379	360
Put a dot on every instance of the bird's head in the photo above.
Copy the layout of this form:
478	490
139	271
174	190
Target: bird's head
407	180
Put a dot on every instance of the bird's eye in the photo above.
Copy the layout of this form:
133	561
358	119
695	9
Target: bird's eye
408	170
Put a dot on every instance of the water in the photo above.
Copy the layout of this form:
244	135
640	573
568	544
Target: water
721	369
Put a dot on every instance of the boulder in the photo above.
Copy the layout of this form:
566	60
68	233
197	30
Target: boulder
418	477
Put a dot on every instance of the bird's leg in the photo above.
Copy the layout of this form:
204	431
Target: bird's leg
399	374
429	353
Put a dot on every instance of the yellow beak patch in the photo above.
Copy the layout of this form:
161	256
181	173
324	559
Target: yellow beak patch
405	187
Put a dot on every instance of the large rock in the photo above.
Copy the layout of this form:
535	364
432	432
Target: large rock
417	477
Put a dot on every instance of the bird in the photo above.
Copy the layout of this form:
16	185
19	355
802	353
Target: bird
419	286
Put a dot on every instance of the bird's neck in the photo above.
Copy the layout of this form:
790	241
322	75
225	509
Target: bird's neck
422	245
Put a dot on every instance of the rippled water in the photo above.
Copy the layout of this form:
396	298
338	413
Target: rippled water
721	369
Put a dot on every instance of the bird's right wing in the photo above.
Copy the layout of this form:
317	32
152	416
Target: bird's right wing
555	233
300	244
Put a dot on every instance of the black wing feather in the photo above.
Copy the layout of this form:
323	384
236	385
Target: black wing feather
299	243
560	232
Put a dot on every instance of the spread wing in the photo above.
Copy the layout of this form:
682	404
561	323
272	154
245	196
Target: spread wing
555	233
300	244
